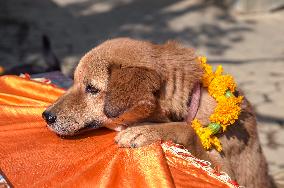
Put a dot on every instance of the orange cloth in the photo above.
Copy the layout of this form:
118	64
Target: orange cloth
33	156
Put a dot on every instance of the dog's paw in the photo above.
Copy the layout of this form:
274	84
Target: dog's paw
137	136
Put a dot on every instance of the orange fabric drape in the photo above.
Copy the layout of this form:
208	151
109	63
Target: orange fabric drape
33	156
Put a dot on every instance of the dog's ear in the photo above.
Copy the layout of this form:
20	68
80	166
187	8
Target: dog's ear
129	88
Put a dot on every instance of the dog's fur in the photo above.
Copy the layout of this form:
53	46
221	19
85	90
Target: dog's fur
143	90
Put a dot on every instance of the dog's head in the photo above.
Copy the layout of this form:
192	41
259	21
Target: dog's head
122	82
105	93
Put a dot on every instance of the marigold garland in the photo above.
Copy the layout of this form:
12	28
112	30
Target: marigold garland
221	88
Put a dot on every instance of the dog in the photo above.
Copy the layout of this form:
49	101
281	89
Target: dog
142	90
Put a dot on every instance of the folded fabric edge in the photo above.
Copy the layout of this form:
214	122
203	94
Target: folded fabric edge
179	151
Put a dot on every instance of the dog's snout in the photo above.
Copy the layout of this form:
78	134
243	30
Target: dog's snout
49	117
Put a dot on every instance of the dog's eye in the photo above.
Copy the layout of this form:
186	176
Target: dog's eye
92	89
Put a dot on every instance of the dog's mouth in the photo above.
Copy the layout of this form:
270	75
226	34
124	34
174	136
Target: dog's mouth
88	127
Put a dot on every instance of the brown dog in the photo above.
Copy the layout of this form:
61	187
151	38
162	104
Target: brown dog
143	91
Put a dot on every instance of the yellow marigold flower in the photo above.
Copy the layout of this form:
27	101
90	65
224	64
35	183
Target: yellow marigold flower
219	70
227	111
206	79
208	73
196	125
202	59
206	136
207	68
217	143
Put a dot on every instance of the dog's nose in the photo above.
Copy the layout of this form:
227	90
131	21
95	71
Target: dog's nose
49	117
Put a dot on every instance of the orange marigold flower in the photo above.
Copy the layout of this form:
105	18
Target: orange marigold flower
227	111
220	84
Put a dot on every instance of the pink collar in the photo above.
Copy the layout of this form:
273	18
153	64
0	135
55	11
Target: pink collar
194	103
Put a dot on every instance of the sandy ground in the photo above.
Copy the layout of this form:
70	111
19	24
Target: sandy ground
251	47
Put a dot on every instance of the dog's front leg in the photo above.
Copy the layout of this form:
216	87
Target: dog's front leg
147	133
